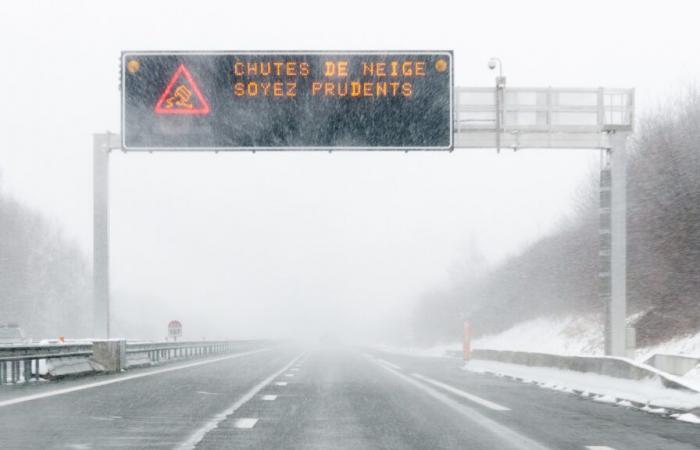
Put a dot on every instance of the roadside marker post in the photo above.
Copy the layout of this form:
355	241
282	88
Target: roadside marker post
466	342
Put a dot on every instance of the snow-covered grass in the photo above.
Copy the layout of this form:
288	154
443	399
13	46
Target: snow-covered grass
564	335
649	394
574	335
687	345
569	335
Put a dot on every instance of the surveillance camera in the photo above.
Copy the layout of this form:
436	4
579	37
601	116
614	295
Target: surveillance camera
492	63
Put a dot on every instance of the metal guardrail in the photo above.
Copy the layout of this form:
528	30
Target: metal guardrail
164	351
23	363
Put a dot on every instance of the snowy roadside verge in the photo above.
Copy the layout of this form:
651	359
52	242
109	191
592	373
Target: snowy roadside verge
627	384
649	395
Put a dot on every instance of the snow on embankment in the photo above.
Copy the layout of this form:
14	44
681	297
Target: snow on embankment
574	335
687	346
580	335
569	335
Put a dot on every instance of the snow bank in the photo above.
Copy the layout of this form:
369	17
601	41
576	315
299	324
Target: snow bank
687	346
574	335
649	393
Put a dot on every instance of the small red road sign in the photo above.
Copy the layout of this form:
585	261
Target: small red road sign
174	329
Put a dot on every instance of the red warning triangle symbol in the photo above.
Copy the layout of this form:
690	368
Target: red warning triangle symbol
182	95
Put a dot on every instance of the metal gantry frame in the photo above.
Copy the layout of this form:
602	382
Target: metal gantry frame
516	118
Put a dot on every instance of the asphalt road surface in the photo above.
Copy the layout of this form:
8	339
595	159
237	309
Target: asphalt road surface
286	397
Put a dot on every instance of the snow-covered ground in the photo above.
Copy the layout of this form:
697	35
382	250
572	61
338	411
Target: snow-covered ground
574	335
650	394
580	335
569	335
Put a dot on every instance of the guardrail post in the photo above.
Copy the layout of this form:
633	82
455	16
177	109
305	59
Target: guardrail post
27	370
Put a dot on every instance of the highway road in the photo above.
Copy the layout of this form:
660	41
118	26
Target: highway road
287	397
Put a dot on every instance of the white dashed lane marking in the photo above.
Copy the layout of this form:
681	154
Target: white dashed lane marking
196	437
245	422
387	363
280	383
598	447
269	397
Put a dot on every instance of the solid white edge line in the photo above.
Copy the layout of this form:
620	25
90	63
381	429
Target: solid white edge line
199	434
390	364
82	387
514	439
382	361
471	397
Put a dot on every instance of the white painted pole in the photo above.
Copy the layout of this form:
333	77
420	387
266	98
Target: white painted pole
100	254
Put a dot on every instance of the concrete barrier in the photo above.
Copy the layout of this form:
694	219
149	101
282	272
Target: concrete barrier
110	354
673	364
601	365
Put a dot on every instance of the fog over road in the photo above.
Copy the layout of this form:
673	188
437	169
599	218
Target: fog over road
285	396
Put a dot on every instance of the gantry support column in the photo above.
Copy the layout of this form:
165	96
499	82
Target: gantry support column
100	252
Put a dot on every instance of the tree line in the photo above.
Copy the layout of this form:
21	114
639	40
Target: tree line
45	280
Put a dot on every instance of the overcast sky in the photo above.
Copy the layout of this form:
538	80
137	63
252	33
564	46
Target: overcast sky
262	244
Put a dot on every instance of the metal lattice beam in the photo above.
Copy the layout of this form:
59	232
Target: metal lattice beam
542	117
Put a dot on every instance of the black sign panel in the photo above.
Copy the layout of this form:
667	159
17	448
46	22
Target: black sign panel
287	100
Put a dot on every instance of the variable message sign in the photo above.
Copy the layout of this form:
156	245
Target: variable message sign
287	100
